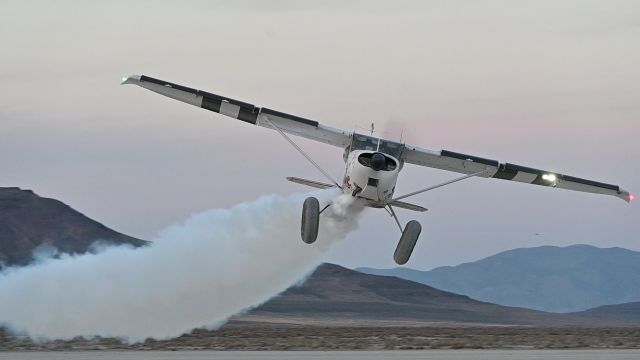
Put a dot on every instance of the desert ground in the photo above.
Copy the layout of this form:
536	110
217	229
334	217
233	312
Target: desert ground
246	336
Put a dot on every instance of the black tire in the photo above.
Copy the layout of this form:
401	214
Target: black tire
407	242
310	220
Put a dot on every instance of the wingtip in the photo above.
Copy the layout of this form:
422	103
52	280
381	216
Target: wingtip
133	79
626	196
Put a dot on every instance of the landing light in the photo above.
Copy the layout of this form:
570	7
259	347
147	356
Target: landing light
631	197
549	177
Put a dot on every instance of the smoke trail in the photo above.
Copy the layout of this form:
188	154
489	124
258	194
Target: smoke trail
201	272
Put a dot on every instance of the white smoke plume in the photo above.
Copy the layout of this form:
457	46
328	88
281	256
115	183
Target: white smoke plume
199	273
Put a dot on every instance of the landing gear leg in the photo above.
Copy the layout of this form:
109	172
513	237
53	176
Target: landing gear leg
310	220
325	208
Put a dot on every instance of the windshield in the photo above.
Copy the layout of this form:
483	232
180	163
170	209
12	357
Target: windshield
364	142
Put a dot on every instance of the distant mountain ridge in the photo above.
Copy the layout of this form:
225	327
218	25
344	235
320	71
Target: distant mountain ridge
28	221
547	278
629	312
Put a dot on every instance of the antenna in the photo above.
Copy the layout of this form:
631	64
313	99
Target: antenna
401	135
373	126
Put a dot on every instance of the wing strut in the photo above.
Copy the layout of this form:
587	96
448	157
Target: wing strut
439	185
301	151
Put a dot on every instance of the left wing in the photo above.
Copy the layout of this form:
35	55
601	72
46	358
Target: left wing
469	164
243	111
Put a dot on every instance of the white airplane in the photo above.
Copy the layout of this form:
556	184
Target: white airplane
372	163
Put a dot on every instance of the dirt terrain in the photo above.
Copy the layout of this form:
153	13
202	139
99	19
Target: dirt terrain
238	336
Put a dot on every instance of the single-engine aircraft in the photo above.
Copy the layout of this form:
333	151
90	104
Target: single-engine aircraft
372	163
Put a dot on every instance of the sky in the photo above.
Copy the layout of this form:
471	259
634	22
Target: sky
546	84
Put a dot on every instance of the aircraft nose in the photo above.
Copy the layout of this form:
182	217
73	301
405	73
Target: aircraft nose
378	161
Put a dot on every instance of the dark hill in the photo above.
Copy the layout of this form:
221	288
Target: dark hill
627	312
334	292
548	278
28	221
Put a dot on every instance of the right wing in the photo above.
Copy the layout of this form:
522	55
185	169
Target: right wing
243	111
469	164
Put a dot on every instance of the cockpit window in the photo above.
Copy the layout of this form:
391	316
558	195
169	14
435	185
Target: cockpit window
364	142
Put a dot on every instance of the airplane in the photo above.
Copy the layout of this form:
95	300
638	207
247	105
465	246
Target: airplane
372	163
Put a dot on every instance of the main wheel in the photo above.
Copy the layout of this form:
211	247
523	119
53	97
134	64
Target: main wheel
407	242
310	220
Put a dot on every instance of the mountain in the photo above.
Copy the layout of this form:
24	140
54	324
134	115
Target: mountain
28	222
334	295
548	278
629	312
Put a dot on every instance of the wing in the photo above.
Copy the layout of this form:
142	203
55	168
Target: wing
243	111
469	164
310	129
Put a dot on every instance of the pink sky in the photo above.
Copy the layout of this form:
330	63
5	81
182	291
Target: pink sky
546	84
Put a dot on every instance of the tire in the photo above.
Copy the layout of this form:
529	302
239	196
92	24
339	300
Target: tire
310	220
407	242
